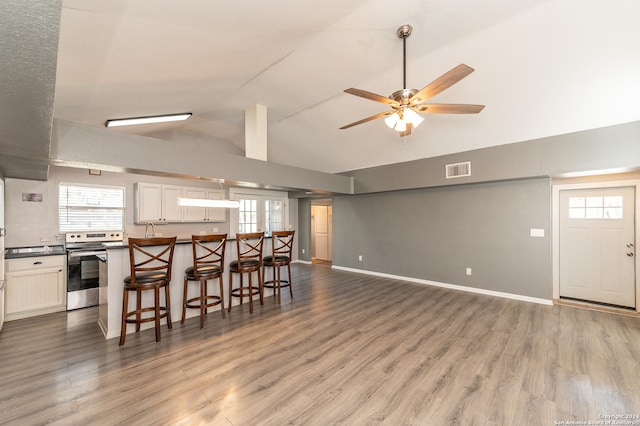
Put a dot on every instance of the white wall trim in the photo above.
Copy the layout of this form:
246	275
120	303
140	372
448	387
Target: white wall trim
449	286
555	226
306	262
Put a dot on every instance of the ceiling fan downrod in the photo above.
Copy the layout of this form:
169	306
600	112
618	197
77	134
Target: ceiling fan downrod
403	32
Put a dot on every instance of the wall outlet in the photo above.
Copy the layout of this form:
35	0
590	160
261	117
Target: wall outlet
360	258
158	234
215	229
302	251
203	232
45	239
468	271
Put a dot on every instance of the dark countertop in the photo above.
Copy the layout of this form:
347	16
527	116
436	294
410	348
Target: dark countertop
34	251
124	244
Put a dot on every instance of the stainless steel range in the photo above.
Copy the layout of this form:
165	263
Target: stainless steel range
82	265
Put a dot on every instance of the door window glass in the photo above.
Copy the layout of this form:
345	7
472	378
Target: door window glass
595	207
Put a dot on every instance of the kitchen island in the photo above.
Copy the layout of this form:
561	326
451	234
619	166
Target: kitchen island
115	267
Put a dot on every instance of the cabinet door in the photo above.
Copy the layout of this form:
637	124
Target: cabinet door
29	293
203	214
158	203
172	212
149	202
191	213
216	214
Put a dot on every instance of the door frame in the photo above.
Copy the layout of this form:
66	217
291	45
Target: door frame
555	227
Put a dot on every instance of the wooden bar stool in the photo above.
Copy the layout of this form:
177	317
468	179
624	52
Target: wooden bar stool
281	248
249	249
151	260
208	264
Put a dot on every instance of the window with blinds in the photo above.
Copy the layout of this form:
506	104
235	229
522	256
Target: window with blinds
90	208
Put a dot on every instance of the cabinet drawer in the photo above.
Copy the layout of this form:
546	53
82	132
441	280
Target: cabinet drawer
31	263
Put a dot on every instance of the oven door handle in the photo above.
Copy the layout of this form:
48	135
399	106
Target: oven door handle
74	254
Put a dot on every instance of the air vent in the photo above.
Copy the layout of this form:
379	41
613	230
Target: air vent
458	170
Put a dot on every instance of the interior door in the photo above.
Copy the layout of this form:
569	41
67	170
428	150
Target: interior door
320	216
597	247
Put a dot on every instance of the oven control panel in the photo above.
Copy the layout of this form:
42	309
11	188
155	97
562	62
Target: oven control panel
88	237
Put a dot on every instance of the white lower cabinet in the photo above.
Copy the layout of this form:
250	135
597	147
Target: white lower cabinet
35	286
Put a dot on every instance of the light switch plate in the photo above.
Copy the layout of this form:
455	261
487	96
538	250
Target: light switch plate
536	232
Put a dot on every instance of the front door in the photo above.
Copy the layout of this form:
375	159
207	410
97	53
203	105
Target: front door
597	246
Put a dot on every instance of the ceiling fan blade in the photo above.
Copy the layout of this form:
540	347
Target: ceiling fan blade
371	96
441	83
364	120
449	108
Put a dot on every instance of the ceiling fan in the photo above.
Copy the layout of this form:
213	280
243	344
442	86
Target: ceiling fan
407	103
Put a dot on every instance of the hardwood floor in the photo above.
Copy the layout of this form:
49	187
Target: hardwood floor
348	349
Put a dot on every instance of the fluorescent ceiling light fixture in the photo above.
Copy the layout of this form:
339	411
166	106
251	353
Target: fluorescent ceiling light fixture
204	202
147	120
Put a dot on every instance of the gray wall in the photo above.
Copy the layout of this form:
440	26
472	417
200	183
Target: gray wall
304	229
435	234
29	32
76	145
613	147
408	220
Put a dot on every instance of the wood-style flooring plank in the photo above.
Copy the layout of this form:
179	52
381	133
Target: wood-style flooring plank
347	349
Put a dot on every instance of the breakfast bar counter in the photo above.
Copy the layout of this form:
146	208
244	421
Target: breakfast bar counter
116	267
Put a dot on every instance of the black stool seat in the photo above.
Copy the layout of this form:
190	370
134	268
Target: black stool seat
268	260
148	278
208	271
245	264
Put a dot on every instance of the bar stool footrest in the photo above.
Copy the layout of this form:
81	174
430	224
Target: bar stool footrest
246	291
163	314
215	300
273	284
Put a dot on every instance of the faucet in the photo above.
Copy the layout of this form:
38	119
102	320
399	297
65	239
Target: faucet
146	229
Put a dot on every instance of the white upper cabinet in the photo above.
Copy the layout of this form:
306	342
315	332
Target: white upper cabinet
157	203
203	214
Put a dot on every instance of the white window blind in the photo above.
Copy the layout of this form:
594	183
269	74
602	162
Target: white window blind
90	208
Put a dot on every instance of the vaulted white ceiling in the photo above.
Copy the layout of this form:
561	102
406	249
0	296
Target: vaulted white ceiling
543	67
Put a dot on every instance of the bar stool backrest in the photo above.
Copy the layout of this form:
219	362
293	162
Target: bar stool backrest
249	248
282	244
151	257
208	252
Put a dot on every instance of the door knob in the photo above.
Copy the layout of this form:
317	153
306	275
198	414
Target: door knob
630	245
630	254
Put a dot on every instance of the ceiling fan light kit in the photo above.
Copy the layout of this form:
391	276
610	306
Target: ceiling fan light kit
407	103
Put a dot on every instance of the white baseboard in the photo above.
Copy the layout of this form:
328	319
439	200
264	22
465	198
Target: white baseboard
449	286
306	262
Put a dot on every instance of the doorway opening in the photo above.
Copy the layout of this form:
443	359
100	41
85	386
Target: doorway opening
321	231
